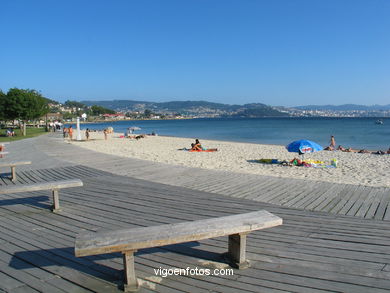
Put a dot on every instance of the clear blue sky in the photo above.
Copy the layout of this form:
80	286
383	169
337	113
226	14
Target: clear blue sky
273	52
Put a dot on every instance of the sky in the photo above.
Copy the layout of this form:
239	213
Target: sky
244	51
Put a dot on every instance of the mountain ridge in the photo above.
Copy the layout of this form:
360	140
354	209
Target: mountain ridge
196	108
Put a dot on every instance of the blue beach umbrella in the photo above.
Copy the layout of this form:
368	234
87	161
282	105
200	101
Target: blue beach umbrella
303	146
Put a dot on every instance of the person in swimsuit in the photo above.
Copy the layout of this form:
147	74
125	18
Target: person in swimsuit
196	146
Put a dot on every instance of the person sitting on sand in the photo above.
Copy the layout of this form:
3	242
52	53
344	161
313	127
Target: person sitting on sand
388	151
196	146
332	142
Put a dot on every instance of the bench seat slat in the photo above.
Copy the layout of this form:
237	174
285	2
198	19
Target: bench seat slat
16	163
146	237
41	186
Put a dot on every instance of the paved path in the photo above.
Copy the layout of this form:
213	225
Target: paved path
344	199
310	252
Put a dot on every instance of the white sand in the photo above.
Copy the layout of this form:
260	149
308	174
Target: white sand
353	168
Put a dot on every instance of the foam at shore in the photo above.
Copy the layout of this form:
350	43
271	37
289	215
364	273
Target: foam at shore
353	168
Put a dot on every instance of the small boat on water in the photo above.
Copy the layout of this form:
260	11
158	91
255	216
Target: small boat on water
379	122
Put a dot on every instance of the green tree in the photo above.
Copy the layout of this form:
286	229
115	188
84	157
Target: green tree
24	105
148	113
75	104
98	110
2	109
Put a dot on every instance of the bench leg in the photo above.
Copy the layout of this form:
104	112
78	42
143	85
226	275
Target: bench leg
237	250
56	201
13	174
131	283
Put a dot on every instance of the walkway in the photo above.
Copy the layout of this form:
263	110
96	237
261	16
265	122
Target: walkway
310	252
343	199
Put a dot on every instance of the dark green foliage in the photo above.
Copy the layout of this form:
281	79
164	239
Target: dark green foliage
24	104
99	110
148	113
75	104
2	105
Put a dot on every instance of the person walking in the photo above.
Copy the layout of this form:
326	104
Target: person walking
70	132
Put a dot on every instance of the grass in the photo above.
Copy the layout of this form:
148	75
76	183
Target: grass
30	132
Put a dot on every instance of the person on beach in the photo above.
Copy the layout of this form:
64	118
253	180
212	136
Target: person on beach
70	132
332	142
196	146
105	134
87	134
388	151
340	148
65	132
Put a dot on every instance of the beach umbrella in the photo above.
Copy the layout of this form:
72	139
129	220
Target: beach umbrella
303	146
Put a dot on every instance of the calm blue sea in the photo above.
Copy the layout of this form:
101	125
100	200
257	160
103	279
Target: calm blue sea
349	132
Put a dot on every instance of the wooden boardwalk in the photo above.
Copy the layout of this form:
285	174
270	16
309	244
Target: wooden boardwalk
310	252
343	199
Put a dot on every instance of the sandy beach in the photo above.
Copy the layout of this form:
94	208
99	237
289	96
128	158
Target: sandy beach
353	168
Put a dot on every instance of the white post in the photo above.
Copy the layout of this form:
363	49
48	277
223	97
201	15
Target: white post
78	137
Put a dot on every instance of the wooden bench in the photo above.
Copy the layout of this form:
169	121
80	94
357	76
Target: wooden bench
13	166
128	241
54	186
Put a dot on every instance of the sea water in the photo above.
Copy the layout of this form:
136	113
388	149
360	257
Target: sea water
358	133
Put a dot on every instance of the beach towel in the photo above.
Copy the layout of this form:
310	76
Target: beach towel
207	150
269	161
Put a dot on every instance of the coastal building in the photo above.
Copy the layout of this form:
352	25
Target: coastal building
52	117
116	116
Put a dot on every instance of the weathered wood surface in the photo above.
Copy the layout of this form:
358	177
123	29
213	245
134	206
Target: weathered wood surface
14	163
312	251
360	201
53	185
13	167
139	238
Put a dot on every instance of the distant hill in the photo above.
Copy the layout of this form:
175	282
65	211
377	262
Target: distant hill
346	107
196	108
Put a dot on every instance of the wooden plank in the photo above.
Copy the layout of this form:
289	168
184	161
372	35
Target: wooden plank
14	163
383	206
42	186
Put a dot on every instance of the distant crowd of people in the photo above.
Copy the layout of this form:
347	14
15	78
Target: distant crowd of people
55	126
68	132
332	147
